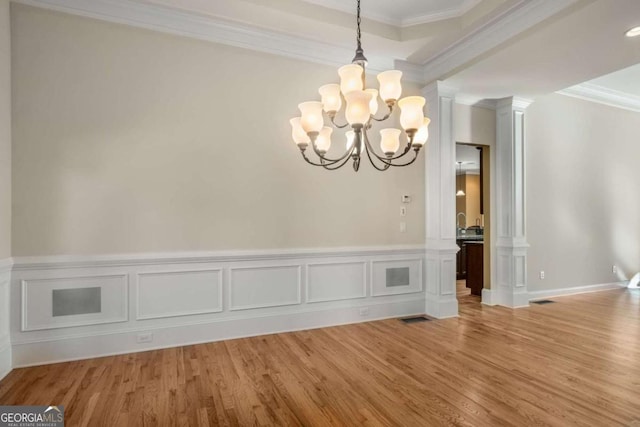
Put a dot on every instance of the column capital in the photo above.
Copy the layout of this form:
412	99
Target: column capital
514	103
439	88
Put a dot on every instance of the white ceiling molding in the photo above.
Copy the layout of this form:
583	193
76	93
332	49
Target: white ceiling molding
516	19
168	20
453	12
603	95
474	101
513	21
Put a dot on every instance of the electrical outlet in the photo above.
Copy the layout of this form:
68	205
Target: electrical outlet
403	227
364	311
542	274
614	269
144	338
403	211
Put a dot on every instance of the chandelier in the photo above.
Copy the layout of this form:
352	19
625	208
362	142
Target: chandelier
361	107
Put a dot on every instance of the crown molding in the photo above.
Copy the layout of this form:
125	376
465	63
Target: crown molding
474	101
208	28
603	95
518	18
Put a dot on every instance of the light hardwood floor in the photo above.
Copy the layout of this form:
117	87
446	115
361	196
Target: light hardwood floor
575	362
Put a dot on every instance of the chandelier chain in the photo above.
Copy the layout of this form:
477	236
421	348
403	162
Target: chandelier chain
359	35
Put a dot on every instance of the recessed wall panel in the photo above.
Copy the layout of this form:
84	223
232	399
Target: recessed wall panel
336	281
178	293
259	287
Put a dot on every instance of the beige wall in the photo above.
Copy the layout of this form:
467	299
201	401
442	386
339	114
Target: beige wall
582	192
5	131
472	199
128	140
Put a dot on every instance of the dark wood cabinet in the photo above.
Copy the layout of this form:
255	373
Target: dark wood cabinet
474	254
461	260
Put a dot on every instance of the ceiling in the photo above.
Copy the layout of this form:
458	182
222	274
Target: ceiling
403	13
486	49
626	81
470	158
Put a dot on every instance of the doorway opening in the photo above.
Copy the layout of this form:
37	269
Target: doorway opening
473	222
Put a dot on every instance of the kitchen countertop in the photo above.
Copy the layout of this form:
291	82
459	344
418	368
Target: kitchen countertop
474	237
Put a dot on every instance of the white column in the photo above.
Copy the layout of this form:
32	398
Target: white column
511	242
440	157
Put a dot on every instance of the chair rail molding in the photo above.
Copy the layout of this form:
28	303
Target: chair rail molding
440	203
511	242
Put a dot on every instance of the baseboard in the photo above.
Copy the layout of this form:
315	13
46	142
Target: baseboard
49	351
488	297
550	293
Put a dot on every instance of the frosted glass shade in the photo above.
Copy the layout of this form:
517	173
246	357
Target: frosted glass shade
331	99
351	137
390	140
420	138
358	109
298	134
373	105
311	119
323	142
411	112
350	78
390	86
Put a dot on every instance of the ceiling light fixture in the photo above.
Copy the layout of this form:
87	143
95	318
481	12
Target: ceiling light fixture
361	106
460	192
634	32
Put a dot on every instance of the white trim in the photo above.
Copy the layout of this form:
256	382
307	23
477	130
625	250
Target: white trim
24	284
180	313
550	293
123	260
474	101
315	264
210	28
523	15
297	301
39	352
488	297
603	95
6	265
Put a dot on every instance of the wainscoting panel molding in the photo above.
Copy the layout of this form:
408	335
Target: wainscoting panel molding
380	277
262	287
168	300
178	293
38	301
5	344
336	281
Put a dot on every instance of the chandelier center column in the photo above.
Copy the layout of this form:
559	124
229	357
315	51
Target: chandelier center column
440	175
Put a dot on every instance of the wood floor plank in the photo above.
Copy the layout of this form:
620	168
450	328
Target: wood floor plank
571	363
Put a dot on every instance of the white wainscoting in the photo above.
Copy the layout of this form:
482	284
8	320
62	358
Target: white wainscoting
336	281
37	301
5	345
200	292
380	286
154	301
262	287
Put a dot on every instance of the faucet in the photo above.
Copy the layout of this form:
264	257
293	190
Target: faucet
464	216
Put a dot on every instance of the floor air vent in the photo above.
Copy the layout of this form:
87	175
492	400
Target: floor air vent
542	301
415	319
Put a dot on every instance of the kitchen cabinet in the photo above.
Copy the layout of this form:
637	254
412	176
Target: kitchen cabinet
474	257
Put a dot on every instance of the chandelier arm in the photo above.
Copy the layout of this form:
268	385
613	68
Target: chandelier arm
367	148
328	159
337	125
386	116
385	159
332	167
304	156
417	151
